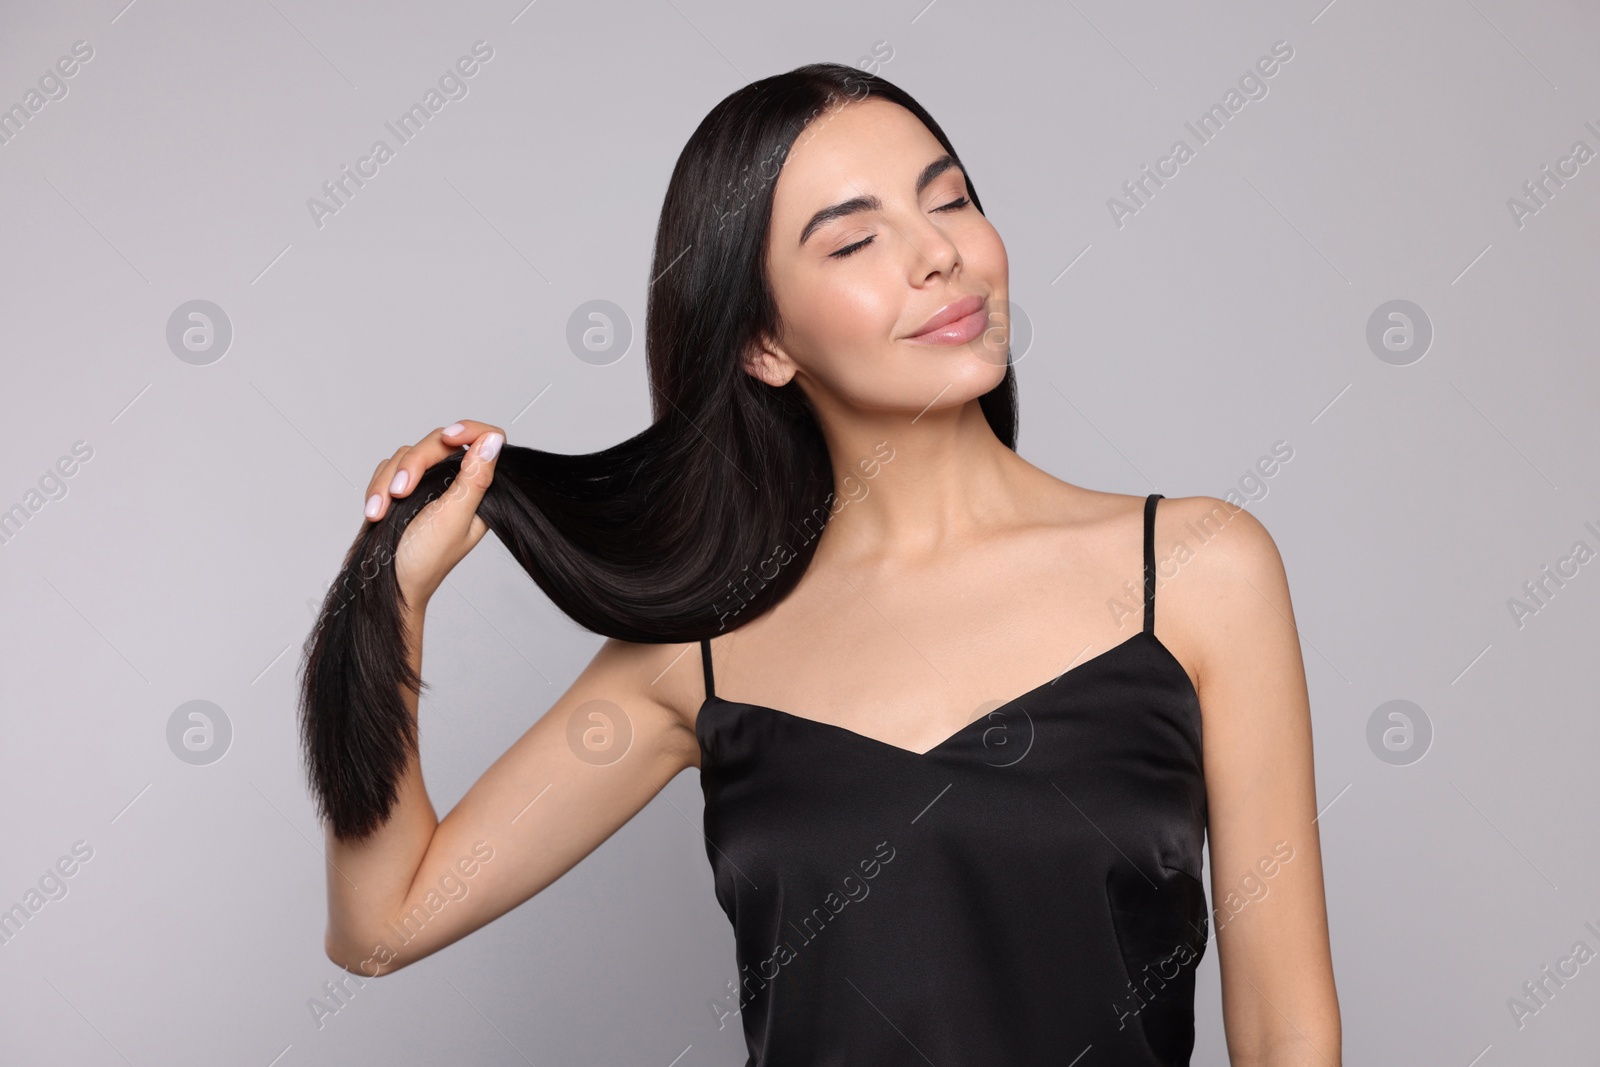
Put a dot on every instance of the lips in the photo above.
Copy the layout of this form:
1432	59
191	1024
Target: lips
950	313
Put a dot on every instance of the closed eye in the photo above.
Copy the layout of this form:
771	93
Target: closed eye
850	250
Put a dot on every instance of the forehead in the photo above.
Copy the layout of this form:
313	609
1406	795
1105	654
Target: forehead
873	147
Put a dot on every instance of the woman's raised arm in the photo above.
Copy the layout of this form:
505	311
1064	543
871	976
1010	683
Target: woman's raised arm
405	884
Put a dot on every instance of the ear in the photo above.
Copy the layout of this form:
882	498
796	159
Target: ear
767	362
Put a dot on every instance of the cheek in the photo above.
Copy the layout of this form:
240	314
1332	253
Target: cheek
847	343
858	317
847	324
985	255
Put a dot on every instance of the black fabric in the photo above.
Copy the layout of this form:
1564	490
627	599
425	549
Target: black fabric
1027	892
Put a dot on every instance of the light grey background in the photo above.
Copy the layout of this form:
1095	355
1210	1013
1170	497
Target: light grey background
1171	354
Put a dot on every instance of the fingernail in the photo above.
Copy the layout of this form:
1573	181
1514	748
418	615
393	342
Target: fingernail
491	446
453	429
374	502
399	482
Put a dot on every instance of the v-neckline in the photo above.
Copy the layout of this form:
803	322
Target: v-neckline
953	738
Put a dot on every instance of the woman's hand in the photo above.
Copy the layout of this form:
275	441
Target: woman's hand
448	527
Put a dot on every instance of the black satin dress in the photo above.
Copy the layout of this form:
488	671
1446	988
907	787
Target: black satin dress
1027	892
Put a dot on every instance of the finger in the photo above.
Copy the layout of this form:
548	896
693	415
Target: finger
462	434
377	498
477	471
383	471
429	450
398	475
453	518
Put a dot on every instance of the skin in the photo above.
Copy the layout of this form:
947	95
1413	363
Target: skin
959	575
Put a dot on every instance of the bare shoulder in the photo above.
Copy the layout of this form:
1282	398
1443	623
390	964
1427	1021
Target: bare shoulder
1214	541
659	688
1220	539
1221	584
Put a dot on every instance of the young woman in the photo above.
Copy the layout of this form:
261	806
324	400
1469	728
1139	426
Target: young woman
958	770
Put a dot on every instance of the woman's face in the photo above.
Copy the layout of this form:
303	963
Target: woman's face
861	258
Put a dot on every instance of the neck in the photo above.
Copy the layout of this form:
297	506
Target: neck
909	489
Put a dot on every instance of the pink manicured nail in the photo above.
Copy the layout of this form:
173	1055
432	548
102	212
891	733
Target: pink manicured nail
374	502
453	429
491	446
399	482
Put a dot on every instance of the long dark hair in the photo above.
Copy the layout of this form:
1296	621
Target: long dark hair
701	522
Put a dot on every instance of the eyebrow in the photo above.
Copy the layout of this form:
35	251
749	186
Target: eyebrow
857	204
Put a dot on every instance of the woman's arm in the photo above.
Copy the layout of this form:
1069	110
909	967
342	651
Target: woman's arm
585	768
420	883
1269	917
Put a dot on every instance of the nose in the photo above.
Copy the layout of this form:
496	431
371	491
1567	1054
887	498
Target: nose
936	253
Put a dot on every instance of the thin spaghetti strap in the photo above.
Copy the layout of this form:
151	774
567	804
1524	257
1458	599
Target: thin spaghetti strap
1150	562
705	662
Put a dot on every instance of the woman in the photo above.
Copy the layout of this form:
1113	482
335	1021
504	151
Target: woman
828	516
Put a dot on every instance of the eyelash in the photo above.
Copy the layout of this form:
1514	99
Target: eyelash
850	250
